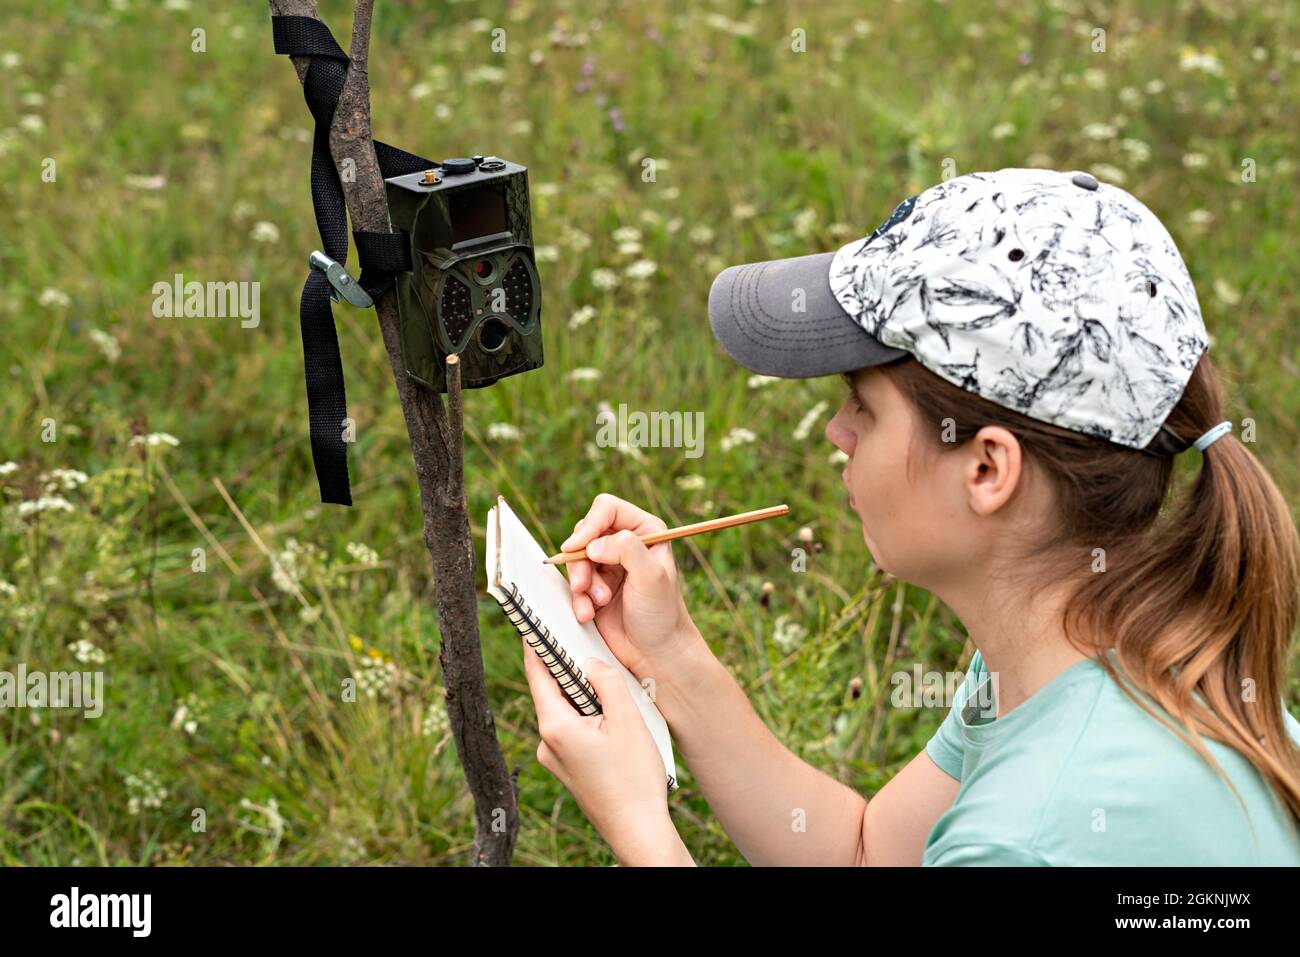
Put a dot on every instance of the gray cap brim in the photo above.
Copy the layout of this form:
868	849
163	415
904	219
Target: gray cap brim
752	311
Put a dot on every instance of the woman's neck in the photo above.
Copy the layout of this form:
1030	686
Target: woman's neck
1019	632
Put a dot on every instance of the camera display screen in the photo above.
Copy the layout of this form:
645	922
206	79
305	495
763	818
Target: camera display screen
476	213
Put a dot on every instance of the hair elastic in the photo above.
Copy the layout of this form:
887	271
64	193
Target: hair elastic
1209	438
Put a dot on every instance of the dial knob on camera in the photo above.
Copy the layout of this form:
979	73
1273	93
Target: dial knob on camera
457	164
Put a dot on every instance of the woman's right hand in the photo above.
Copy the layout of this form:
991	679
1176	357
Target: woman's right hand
630	590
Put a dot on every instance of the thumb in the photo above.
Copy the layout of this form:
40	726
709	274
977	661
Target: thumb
615	701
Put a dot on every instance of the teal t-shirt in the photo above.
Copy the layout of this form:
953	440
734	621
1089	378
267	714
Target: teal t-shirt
1079	774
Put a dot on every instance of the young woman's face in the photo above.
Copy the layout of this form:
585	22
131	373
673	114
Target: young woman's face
919	528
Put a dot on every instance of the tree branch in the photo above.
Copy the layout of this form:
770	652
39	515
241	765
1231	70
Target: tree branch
437	449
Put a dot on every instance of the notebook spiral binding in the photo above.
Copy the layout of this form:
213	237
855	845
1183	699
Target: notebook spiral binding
575	687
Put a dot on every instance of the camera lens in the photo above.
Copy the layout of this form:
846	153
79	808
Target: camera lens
483	269
492	335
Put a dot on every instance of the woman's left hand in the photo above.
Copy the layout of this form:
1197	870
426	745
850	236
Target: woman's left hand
608	761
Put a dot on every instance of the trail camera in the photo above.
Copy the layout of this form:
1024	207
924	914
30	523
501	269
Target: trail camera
473	288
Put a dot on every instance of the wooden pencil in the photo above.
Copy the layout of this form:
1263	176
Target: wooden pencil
684	531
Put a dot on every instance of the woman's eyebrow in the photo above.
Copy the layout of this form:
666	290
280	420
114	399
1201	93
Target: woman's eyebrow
848	381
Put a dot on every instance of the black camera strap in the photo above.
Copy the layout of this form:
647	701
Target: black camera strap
382	255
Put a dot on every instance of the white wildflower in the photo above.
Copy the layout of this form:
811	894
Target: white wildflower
1203	60
63	479
1003	131
786	633
690	483
804	428
435	723
1109	174
757	381
46	503
627	234
701	235
1099	131
583	316
641	269
583	374
486	73
1137	150
150	183
804	221
504	432
106	343
264	232
88	653
604	278
53	298
838	457
737	436
1226	293
575	239
286	568
155	439
8	468
144	791
377	678
362	554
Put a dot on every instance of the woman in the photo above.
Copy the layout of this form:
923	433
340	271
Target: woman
1025	358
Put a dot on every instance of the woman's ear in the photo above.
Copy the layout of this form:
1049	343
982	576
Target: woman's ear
993	469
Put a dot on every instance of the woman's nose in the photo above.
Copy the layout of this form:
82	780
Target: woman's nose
839	435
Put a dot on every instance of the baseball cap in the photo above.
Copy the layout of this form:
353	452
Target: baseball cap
1042	291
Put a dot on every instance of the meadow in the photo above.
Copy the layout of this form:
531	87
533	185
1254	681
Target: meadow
160	518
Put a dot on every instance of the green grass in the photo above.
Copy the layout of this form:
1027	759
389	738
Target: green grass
819	146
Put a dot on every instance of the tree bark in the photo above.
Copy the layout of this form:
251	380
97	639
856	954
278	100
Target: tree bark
437	448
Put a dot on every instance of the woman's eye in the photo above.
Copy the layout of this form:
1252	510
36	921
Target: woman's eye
855	401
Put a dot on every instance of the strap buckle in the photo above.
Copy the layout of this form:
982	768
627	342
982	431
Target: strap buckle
343	284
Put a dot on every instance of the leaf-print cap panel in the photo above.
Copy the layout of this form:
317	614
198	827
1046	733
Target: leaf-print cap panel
1042	291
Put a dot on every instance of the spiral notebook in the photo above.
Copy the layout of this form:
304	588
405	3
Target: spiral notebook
535	598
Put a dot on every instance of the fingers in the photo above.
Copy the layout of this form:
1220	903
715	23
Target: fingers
615	701
590	588
552	706
610	513
625	549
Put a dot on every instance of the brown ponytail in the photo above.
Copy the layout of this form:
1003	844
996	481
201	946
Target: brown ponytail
1202	591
